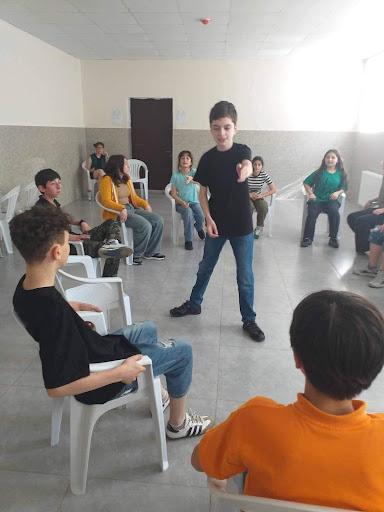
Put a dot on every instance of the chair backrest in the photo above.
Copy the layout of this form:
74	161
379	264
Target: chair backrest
256	504
134	168
84	166
97	199
32	194
11	198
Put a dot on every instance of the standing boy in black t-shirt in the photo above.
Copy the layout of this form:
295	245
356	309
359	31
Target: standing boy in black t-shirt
224	170
67	345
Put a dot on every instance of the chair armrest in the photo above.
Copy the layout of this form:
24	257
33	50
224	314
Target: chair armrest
97	318
89	280
109	365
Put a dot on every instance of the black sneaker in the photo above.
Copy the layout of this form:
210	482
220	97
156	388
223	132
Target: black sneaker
333	243
254	331
188	246
201	234
306	242
137	261
157	257
185	309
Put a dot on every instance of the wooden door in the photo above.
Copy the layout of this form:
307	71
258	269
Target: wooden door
151	129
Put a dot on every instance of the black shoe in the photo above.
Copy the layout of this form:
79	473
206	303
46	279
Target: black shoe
333	243
185	309
137	261
306	242
201	234
188	246
254	331
157	257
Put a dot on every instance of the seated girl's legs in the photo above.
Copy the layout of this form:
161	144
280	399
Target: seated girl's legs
172	358
332	210
98	173
314	210
376	246
187	216
261	206
142	230
156	236
198	215
252	203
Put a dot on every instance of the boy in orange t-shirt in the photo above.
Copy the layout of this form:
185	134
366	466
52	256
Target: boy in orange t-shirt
323	449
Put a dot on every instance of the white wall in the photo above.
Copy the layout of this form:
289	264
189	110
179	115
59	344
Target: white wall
39	84
291	94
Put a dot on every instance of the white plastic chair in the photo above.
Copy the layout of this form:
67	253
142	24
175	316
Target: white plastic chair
79	247
271	211
91	183
11	199
134	172
104	292
32	194
84	417
176	217
341	199
127	233
256	504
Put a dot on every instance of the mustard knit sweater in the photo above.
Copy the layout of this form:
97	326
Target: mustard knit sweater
109	197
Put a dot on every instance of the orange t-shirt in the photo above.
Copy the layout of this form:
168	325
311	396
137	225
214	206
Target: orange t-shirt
298	453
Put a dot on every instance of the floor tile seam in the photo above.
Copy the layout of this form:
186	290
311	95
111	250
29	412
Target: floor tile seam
26	369
261	348
266	349
64	475
162	484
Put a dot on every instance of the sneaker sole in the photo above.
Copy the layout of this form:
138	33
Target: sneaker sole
374	285
115	253
154	259
185	314
366	274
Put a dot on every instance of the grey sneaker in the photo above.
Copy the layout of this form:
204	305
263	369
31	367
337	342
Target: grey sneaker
378	282
113	249
367	271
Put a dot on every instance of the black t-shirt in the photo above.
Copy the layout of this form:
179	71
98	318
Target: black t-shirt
229	203
67	344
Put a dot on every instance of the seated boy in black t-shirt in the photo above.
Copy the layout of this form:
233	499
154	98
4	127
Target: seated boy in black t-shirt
103	240
68	345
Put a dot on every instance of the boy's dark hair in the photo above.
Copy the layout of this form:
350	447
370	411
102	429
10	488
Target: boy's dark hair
45	175
339	338
260	159
98	144
36	230
182	153
339	167
223	109
113	167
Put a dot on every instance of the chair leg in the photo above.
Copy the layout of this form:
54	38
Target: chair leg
155	403
7	236
83	419
56	417
146	190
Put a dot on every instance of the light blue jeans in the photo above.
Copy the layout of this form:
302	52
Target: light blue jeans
242	247
147	231
172	358
190	214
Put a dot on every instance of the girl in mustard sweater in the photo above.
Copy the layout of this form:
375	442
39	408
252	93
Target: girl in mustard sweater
118	193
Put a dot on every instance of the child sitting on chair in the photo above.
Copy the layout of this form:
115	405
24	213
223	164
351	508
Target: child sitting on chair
324	449
184	192
67	345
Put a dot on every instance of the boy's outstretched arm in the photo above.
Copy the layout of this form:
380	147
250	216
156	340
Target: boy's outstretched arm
211	224
126	372
244	170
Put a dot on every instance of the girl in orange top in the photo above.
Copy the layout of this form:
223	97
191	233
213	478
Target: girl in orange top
118	193
324	449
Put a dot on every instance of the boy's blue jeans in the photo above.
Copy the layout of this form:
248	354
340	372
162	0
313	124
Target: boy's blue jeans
242	247
172	358
190	214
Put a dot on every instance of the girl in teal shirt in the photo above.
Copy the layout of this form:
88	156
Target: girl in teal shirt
323	188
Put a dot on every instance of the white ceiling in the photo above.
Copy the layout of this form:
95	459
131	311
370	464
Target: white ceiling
171	29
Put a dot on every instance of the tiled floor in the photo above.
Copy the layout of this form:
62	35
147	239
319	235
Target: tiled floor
229	368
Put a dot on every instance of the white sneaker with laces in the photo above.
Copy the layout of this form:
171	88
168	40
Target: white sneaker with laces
378	282
194	425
